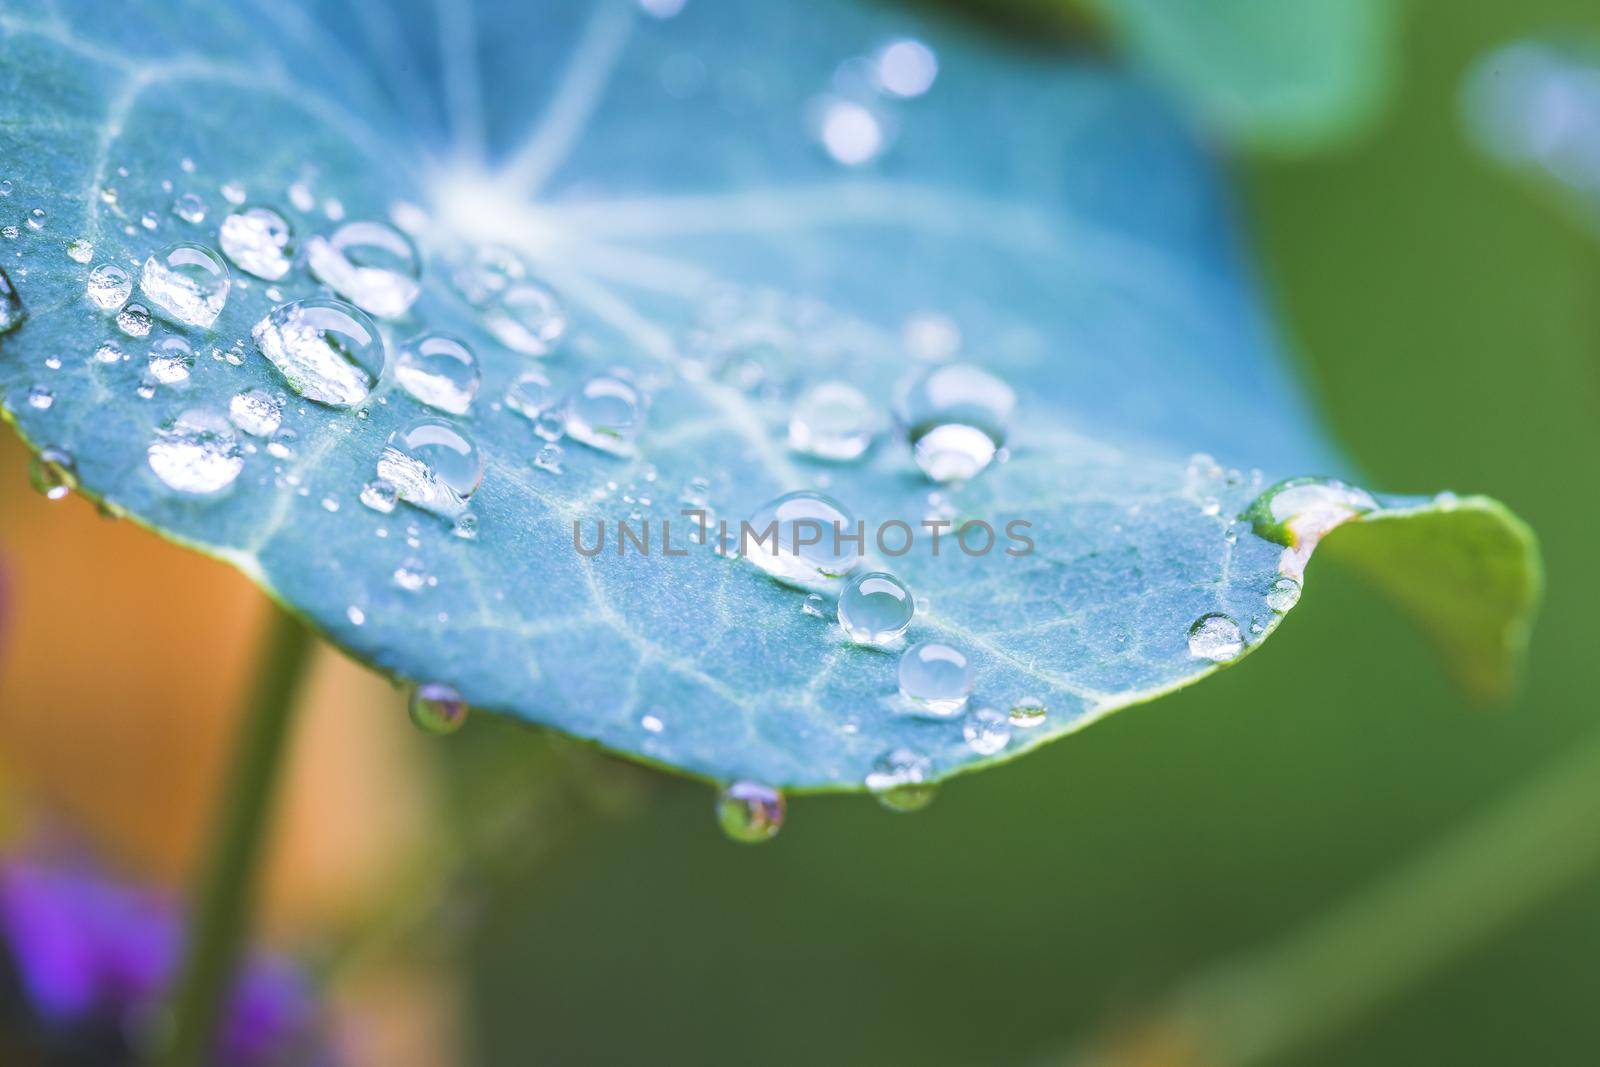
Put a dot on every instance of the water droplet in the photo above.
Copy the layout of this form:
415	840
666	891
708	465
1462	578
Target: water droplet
10	233
605	413
80	251
328	351
303	199
233	192
986	731
379	496
1028	712
527	318
898	779
955	418
53	473
11	310
256	412
5	187
548	458
832	421
483	272
652	723
1283	594
410	576
171	360
149	220
371	264
749	812
1299	511
906	68
36	219
281	444
815	604
931	336
875	608
190	208
108	287
438	370
431	465
134	320
531	395
196	453
935	678
259	241
465	527
188	281
801	537
40	398
356	616
1215	637
108	352
850	132
437	708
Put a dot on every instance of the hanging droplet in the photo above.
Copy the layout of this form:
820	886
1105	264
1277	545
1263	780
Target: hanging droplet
196	453
256	412
327	350
438	370
875	608
171	360
1028	713
749	812
986	731
1283	594
259	241
802	537
898	779
527	318
371	264
108	287
432	466
1215	637
832	421
188	281
437	709
11	310
935	678
955	417
190	208
53	473
134	320
605	413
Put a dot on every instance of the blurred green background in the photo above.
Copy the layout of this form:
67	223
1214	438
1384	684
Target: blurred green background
1449	318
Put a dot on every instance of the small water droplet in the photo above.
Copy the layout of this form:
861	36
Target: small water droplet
371	264
832	421
431	465
108	352
40	398
527	318
815	604
931	336
935	678
875	608
802	537
906	68
80	251
303	199
188	281
465	527
898	779
256	412
281	444
531	395
440	371
259	241
849	131
652	723
134	320
5	187
1215	637
482	272
986	731
1028	712
53	473
171	360
233	192
379	496
955	417
356	616
749	812
190	208
605	413
196	453
36	219
1283	594
548	458
410	576
11	310
437	709
327	350
108	287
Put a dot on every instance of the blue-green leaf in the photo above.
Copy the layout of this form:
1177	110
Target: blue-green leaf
732	202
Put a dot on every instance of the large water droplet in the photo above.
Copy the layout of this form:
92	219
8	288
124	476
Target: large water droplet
108	287
605	413
171	360
898	779
436	708
832	421
1283	594
528	318
53	473
1215	637
371	264
11	310
256	412
749	812
188	281
955	418
134	320
196	453
935	678
327	350
431	465
259	241
1299	511
802	537
438	370
986	731
875	608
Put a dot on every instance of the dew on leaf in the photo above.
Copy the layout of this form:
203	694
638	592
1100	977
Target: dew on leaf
80	251
955	418
1028	712
431	465
371	264
41	398
531	395
36	219
233	192
327	350
52	473
1215	637
1283	594
815	604
108	352
440	371
259	241
134	320
379	496
190	208
527	318
875	608
188	281
548	458
196	453
898	779
750	812
935	678
605	413
281	444
801	537
436	708
482	272
1297	512
171	360
256	412
986	731
108	287
832	421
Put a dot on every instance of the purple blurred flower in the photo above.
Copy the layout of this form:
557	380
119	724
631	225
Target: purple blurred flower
96	957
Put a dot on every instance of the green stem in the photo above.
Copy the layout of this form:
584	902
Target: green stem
225	896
